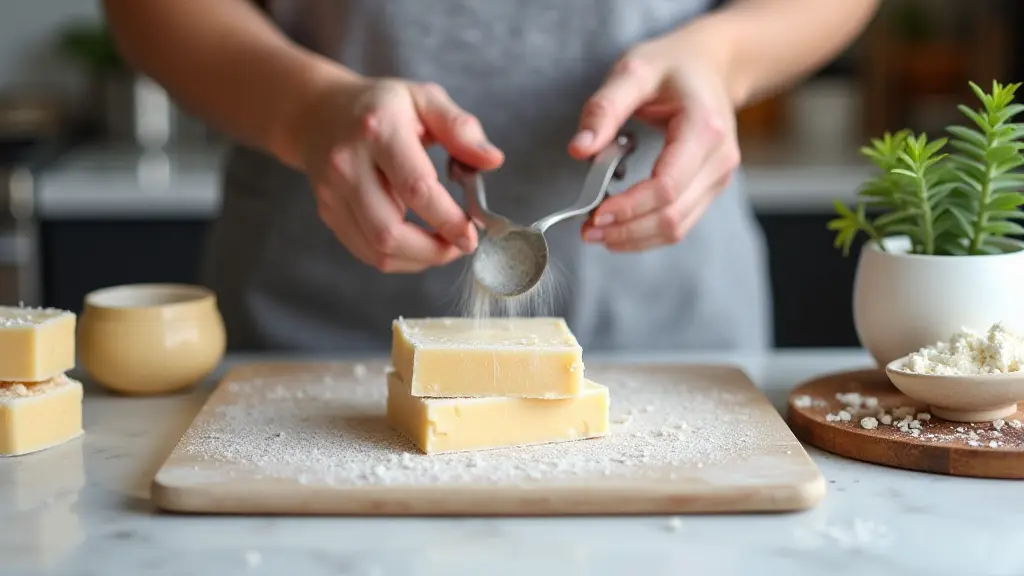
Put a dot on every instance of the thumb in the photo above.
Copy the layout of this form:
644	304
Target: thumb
630	84
458	131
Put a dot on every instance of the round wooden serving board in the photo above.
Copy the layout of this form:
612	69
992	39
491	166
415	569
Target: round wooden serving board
942	446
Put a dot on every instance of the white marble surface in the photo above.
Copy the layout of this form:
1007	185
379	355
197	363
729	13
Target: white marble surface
83	509
118	182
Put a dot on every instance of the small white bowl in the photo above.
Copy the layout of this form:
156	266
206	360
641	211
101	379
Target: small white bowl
967	398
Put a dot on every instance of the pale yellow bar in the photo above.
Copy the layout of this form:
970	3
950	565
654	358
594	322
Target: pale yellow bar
496	357
437	425
36	416
36	344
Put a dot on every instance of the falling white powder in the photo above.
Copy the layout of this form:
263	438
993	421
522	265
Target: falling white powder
335	433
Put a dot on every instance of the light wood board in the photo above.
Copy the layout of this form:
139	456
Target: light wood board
942	447
312	439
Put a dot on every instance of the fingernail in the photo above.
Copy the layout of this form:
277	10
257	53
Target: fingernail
594	235
603	219
583	139
464	244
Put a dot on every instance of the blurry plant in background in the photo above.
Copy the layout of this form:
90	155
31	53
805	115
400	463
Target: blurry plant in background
90	44
960	203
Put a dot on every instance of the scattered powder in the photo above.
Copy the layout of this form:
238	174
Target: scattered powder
330	429
968	352
359	370
869	413
859	535
253	558
674	524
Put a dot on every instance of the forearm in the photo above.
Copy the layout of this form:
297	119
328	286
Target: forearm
764	45
225	62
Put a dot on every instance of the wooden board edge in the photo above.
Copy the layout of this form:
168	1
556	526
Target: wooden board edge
567	501
937	459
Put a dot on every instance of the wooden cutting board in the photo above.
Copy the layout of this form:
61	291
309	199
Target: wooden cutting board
298	438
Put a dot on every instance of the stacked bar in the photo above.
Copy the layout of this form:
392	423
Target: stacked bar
463	384
40	406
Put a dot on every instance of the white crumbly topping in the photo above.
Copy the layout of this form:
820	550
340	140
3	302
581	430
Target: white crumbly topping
869	423
1016	424
24	316
967	352
998	424
10	391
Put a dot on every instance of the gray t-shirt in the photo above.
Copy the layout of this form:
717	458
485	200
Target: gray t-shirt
525	68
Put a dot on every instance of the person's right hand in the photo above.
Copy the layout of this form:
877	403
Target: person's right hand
364	150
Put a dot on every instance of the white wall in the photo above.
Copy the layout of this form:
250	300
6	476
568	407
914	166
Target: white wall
28	33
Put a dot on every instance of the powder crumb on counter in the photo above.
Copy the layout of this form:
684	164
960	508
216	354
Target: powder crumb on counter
914	424
831	417
998	424
844	416
885	419
852	399
998	351
253	558
915	432
923	416
961	429
973	443
674	524
1016	424
869	423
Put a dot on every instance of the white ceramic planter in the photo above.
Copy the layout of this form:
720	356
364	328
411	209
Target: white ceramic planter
903	302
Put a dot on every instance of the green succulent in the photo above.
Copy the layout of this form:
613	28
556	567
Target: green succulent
960	202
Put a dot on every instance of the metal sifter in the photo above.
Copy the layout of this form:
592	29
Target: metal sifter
511	258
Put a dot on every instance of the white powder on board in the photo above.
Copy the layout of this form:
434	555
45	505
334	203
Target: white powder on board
330	429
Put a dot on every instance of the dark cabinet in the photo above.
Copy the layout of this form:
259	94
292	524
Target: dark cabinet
79	256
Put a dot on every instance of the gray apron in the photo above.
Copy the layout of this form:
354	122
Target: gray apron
525	69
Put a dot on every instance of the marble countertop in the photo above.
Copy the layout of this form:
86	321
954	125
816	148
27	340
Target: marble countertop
111	182
83	508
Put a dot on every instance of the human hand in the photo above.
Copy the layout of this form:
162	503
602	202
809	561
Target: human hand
670	84
364	150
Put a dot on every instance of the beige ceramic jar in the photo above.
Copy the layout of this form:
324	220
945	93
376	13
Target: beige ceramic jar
150	338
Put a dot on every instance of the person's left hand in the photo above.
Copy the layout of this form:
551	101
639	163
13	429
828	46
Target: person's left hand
670	85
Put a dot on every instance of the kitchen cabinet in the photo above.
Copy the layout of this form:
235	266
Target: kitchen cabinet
79	256
811	281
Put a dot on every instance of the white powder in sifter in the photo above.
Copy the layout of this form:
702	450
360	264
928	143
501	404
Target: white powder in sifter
968	352
331	429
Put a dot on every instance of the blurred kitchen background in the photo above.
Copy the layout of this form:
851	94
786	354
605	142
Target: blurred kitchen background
103	181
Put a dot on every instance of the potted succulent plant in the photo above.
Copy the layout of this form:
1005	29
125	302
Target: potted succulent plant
941	219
